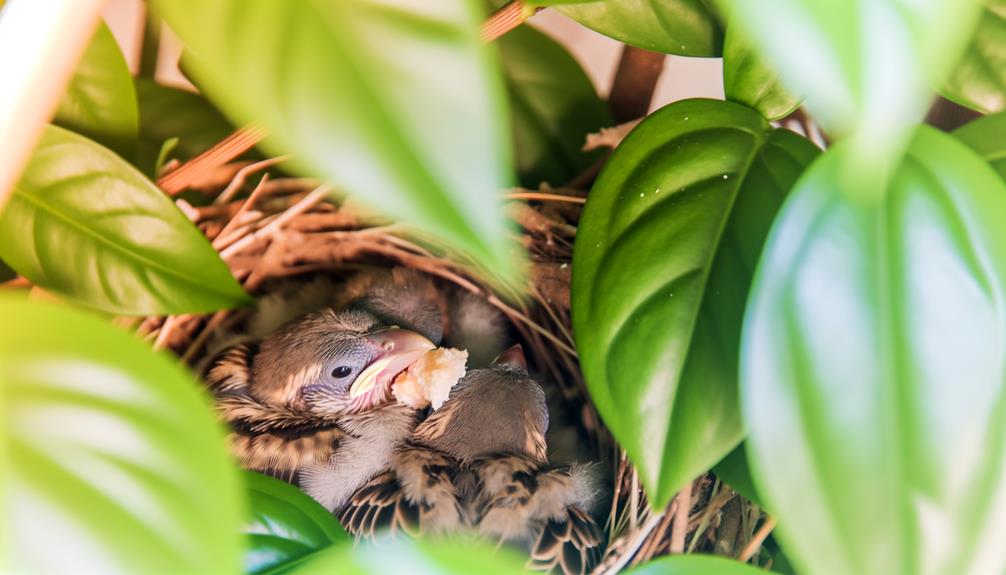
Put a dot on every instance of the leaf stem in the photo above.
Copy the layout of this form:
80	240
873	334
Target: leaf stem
507	18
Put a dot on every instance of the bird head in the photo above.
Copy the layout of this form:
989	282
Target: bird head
330	364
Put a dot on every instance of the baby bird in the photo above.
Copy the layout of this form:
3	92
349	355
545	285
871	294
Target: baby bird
480	463
316	392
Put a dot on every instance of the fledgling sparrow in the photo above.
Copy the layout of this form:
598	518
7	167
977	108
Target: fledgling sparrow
479	463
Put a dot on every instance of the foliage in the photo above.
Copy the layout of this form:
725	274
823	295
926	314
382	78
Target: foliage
853	327
113	462
85	209
366	94
658	351
877	421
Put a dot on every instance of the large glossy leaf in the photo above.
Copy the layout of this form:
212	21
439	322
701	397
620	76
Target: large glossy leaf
987	136
874	368
166	113
695	565
666	248
683	27
100	101
979	80
747	78
85	225
865	66
285	526
114	462
426	556
553	106
400	103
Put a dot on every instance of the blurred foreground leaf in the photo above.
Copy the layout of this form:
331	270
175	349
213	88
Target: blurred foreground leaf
667	244
114	462
867	67
874	370
695	565
399	103
285	526
85	225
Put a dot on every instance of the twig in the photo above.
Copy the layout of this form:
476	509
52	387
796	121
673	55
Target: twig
507	18
221	238
239	178
540	196
305	204
229	148
635	80
756	542
637	540
680	528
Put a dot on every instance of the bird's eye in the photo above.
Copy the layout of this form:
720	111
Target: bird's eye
341	371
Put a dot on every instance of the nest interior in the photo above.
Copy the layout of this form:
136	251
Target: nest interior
274	231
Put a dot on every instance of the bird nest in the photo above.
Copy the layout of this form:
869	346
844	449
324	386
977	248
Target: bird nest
276	231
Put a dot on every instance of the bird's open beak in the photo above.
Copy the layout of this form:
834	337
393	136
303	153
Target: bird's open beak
399	348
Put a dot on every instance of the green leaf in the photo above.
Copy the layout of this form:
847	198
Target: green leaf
985	136
115	463
553	106
695	565
748	80
873	368
100	101
735	472
167	113
979	80
667	244
285	525
683	27
400	103
865	66
85	225
425	556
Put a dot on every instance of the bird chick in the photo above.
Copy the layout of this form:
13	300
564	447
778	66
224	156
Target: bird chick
479	463
315	394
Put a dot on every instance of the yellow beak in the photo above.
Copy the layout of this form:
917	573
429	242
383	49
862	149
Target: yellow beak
400	348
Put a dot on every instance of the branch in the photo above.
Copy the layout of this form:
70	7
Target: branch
634	83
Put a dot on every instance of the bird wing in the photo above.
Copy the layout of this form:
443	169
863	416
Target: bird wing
521	501
266	438
572	543
417	494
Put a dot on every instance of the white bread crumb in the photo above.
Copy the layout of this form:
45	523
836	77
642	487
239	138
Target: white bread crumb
429	380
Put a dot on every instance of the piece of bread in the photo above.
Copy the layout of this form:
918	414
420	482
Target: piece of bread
429	380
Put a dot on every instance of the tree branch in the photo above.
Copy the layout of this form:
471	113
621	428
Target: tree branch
634	83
